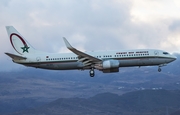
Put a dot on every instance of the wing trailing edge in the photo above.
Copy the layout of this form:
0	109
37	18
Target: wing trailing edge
79	53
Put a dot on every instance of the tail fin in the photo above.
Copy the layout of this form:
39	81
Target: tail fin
20	45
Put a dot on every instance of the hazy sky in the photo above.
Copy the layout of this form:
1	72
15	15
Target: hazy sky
91	25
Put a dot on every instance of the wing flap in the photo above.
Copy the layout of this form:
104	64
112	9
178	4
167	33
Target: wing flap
79	53
13	56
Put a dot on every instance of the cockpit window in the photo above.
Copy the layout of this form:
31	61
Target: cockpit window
165	53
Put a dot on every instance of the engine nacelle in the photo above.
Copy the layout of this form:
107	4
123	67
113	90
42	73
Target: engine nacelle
110	64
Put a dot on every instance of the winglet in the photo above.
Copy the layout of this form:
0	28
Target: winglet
68	45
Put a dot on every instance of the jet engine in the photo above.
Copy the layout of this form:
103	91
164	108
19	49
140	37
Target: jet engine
110	66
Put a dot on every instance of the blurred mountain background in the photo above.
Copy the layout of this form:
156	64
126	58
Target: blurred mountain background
137	91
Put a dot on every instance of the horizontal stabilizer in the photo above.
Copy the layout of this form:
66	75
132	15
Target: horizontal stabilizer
13	56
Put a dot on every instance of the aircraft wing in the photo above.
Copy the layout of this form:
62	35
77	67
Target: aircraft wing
85	58
13	56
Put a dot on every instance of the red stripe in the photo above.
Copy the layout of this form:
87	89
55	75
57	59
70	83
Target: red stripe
19	38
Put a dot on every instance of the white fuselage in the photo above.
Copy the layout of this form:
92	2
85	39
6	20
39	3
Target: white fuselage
126	58
105	61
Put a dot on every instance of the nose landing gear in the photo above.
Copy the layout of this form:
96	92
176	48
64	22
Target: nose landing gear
91	72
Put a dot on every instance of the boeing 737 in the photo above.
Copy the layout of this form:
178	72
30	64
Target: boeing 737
105	61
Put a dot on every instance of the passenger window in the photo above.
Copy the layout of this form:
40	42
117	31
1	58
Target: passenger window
165	53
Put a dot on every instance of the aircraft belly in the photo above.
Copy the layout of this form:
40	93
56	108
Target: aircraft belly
143	62
126	63
61	66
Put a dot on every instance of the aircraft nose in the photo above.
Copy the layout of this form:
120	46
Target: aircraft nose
173	58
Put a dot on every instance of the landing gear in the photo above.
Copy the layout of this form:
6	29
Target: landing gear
159	69
91	72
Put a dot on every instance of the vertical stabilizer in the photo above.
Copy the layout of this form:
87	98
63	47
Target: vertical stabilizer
20	45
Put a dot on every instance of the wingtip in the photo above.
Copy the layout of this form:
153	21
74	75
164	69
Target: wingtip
68	45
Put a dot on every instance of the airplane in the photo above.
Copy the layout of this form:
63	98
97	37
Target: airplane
105	61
